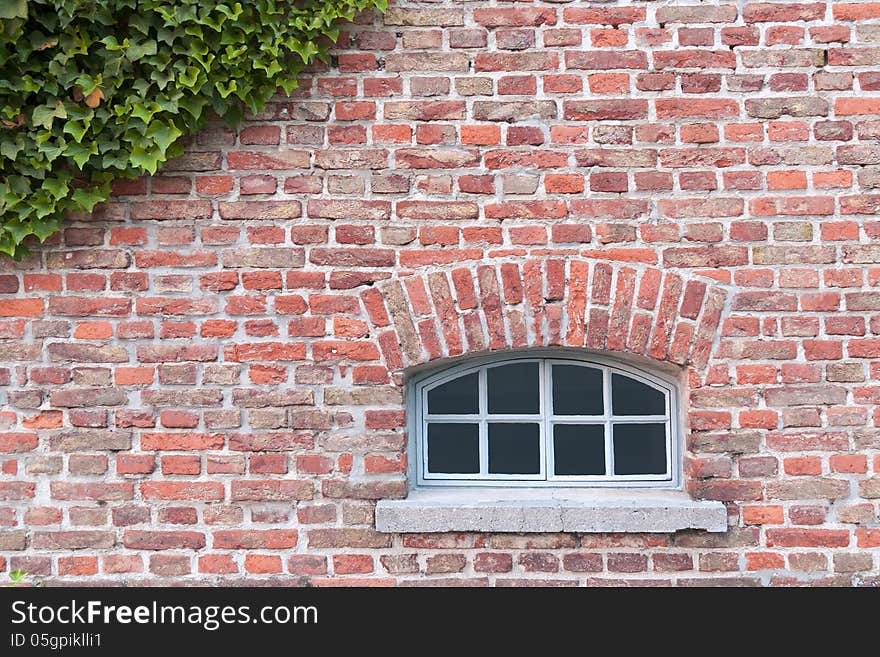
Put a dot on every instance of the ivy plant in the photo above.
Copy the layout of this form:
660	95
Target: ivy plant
16	578
93	90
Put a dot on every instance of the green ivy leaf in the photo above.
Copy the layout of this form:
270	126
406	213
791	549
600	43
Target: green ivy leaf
17	230
88	198
81	153
115	160
226	88
13	9
46	228
193	104
163	135
53	149
43	116
76	129
136	51
143	112
10	149
111	44
188	77
144	159
10	247
56	187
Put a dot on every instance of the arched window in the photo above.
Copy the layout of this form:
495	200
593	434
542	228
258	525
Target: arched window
545	419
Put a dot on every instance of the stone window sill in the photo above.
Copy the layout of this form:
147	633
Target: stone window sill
542	510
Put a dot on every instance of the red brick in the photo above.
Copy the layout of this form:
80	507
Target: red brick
763	515
807	538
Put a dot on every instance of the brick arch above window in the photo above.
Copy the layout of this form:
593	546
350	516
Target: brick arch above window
510	303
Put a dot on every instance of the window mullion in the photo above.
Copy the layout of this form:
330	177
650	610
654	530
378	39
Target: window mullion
546	430
423	438
638	419
606	401
484	427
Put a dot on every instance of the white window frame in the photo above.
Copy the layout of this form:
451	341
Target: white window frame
418	420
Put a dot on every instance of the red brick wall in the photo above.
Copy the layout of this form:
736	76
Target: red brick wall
203	381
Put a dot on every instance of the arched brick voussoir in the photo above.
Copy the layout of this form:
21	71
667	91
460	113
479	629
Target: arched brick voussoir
494	305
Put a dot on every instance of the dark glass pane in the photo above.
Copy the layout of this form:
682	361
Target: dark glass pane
579	449
577	390
639	449
453	448
631	397
514	449
457	397
513	389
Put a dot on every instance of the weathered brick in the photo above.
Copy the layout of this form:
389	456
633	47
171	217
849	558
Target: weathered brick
267	539
163	540
514	111
75	440
808	489
263	257
73	540
77	397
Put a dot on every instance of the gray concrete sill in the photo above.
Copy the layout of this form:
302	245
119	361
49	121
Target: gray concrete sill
543	510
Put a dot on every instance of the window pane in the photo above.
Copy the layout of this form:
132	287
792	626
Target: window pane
579	449
514	449
631	397
453	448
577	390
639	449
513	389
457	397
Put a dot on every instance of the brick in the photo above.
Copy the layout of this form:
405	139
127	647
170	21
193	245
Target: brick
260	210
84	491
493	562
182	491
267	539
347	538
73	540
697	14
426	61
532	61
271	490
164	540
513	111
685	58
807	489
423	17
773	108
705	256
760	12
597	110
606	60
807	538
440	159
